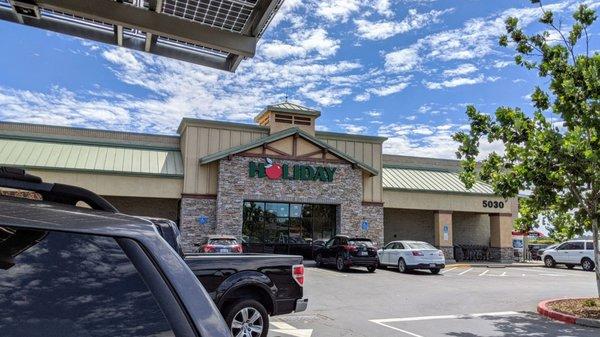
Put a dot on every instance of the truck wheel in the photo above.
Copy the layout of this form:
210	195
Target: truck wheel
339	264
587	264
248	318
549	262
435	271
371	269
319	261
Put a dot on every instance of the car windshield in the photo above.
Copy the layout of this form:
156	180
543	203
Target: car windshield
360	242
419	245
223	242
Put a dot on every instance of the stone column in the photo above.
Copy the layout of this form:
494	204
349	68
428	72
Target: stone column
501	248
442	226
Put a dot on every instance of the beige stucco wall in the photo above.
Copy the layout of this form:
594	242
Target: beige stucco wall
406	224
116	185
444	201
471	228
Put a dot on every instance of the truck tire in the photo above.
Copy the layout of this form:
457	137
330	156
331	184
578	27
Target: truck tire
435	271
371	269
587	264
248	317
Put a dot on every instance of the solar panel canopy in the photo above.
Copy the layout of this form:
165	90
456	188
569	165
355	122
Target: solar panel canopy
214	33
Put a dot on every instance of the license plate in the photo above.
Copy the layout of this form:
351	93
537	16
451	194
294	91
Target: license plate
432	265
224	251
363	253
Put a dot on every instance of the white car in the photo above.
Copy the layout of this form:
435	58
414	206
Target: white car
408	255
571	253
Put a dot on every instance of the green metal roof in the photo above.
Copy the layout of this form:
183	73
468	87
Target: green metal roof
283	134
428	180
39	154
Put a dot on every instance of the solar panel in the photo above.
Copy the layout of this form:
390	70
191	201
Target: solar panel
214	33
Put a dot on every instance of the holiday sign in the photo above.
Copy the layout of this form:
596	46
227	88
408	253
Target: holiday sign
275	171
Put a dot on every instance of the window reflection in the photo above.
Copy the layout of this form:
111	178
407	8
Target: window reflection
286	228
73	285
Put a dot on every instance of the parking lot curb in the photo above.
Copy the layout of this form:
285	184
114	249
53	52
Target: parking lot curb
493	265
543	310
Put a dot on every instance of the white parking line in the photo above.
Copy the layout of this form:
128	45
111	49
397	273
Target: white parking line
447	270
286	329
385	322
485	272
466	271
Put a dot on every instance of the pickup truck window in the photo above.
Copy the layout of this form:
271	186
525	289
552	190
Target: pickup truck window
72	285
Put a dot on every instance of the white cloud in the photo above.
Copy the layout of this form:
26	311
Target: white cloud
354	129
362	97
462	69
503	64
383	7
455	82
302	44
337	10
402	60
383	29
374	113
388	89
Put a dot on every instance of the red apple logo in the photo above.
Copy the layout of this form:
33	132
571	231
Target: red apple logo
273	171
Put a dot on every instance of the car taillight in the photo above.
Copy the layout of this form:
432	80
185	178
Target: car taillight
237	248
298	274
349	248
208	248
417	253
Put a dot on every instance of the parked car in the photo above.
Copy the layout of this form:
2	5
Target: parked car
541	251
220	244
534	250
236	285
70	271
571	253
344	252
409	255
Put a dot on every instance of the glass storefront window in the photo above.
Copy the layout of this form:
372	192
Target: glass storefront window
286	228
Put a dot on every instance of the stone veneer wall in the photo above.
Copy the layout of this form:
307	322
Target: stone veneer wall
235	186
191	230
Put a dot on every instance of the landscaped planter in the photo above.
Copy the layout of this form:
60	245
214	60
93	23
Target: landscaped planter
580	311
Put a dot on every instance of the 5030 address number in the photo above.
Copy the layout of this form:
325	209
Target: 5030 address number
493	204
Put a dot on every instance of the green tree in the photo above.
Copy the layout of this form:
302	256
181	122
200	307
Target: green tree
556	158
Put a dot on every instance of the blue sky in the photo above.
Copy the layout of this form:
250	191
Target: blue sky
404	69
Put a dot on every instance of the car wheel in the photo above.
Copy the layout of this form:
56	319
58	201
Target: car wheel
371	269
339	264
549	262
587	264
570	266
435	271
402	266
248	318
319	261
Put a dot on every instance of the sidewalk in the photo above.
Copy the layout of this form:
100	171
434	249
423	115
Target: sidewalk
486	264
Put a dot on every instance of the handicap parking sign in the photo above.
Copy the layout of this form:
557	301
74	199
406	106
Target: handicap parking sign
203	219
365	225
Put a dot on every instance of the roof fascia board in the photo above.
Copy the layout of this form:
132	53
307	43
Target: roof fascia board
186	122
155	23
91	142
351	137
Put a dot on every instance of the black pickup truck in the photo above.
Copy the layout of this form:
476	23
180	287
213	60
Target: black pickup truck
69	271
245	285
246	288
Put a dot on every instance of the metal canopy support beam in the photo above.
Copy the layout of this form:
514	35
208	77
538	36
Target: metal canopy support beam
107	36
155	23
156	6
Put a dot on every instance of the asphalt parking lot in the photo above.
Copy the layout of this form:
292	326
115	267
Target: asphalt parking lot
460	301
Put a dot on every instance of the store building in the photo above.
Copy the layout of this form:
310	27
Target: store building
278	185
